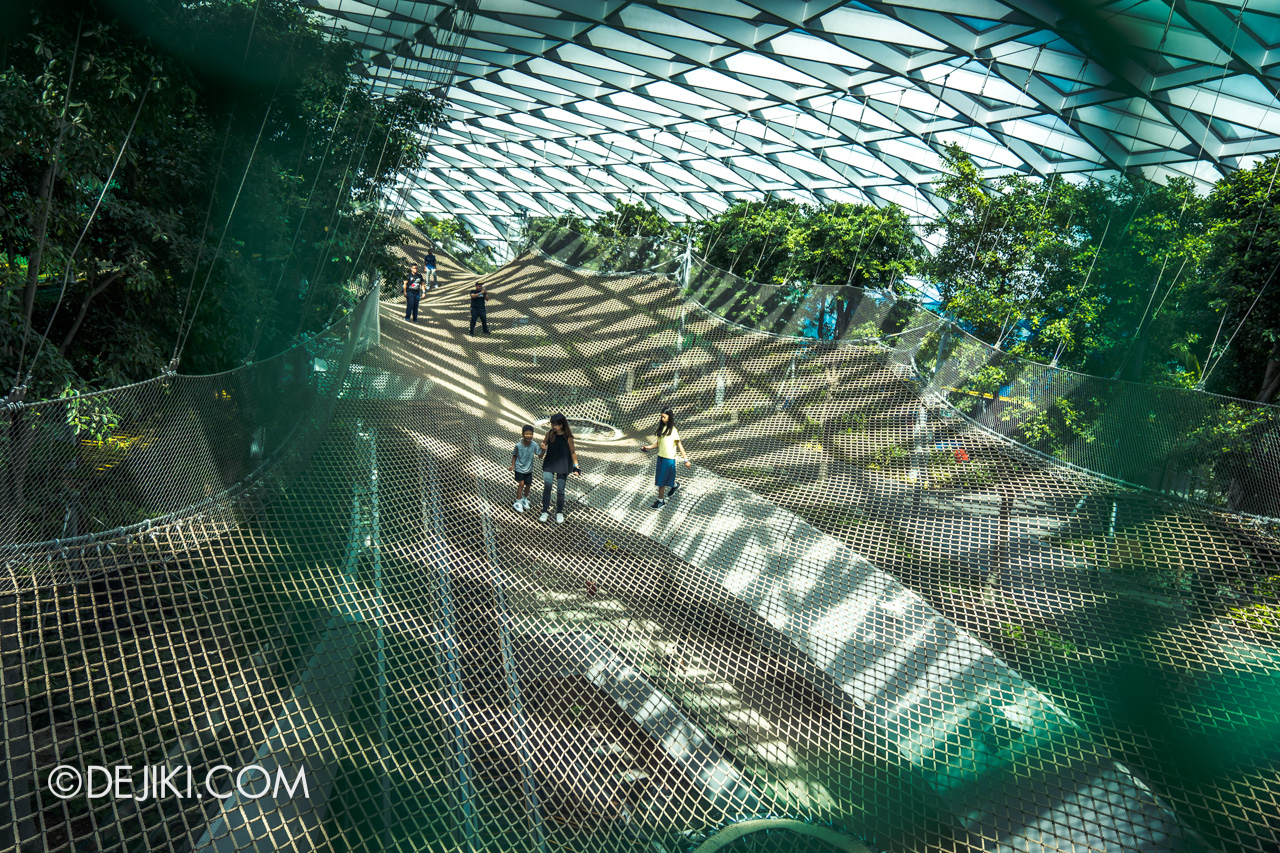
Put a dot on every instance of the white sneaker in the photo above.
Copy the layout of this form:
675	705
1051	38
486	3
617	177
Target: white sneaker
525	501
559	518
542	517
518	506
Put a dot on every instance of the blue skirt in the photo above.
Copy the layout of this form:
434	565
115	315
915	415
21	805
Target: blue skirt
666	473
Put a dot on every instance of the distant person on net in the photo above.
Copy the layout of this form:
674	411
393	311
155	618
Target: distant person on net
667	444
429	263
412	289
478	309
559	460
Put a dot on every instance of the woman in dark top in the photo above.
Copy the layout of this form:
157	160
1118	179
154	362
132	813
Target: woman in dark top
561	458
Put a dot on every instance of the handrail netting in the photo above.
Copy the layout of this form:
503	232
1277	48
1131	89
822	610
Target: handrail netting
866	611
79	473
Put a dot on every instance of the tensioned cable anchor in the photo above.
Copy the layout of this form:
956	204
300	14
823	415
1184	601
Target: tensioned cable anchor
15	399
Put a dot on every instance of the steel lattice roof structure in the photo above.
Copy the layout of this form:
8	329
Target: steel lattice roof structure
568	105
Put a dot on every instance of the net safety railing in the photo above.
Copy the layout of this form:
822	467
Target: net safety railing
1100	560
1211	450
82	476
454	675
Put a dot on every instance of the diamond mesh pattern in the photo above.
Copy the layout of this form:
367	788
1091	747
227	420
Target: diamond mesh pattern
803	631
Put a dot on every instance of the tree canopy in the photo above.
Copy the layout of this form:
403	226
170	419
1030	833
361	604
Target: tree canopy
1125	278
1244	256
252	166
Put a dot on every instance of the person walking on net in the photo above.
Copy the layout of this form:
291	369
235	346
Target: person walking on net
412	289
479	310
429	264
560	458
522	466
667	444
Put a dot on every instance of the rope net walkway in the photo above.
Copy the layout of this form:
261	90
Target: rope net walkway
823	629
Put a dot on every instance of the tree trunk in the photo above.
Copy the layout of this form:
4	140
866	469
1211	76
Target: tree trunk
13	476
84	309
1134	372
844	313
1271	379
38	234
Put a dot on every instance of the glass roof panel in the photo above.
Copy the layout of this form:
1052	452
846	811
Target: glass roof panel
594	96
804	46
759	65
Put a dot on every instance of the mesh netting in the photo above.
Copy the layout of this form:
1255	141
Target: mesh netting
80	475
863	612
1208	449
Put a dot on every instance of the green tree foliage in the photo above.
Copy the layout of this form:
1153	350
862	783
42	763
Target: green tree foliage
1010	257
824	255
1243	260
638	233
849	248
453	236
853	244
246	199
750	238
1102	277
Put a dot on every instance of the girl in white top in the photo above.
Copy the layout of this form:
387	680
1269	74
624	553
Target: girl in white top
667	444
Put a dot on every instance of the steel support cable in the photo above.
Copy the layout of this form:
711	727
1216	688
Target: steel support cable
213	196
1252	305
826	254
1262	209
737	125
57	153
973	123
204	231
373	220
333	222
332	228
1169	290
449	72
786	276
822	262
257	334
1155	287
1226	63
765	245
106	185
1057	353
1009	215
1025	85
928	140
1226	69
437	49
226	228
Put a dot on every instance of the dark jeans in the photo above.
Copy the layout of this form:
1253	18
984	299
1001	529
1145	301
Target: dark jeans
547	477
484	321
411	299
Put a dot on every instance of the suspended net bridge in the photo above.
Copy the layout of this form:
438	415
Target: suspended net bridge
877	616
